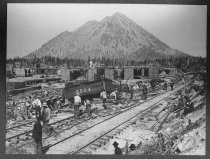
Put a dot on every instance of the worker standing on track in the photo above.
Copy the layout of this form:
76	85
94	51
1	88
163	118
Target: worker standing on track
165	86
24	111
46	93
118	151
46	118
172	86
57	105
77	103
180	102
37	136
152	83
144	92
88	106
103	95
131	91
37	105
188	106
13	109
62	101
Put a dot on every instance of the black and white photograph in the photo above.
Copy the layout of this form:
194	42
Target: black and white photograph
106	79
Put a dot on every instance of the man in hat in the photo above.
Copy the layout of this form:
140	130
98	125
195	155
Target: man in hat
62	101
88	106
49	104
57	105
144	92
37	105
46	117
45	93
24	111
132	150
115	96
103	95
165	86
118	151
37	136
77	103
135	150
188	107
172	85
131	91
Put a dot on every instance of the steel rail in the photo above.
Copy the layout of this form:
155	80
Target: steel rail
134	105
143	111
130	107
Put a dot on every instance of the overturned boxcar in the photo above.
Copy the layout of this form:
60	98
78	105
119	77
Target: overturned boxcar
88	89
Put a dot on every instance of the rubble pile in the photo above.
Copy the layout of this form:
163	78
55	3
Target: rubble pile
16	111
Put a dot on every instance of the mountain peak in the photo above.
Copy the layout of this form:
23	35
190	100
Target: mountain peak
117	19
118	14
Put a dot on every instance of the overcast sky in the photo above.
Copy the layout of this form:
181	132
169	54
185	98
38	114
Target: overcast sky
29	26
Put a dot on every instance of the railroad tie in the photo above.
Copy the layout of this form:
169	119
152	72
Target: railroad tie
118	131
102	141
18	129
83	152
23	138
110	136
105	138
198	104
28	137
126	126
93	147
97	143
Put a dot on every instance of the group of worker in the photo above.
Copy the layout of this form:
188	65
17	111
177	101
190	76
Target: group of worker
87	102
144	91
183	106
166	85
131	150
77	104
25	110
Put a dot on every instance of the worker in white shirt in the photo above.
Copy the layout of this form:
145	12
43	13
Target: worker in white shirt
103	95
37	105
77	103
114	95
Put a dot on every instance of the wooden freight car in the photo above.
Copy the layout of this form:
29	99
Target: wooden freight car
88	89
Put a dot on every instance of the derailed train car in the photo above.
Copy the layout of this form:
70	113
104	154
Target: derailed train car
88	89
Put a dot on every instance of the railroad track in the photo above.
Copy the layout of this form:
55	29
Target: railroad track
67	122
20	125
88	128
29	124
69	126
104	138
